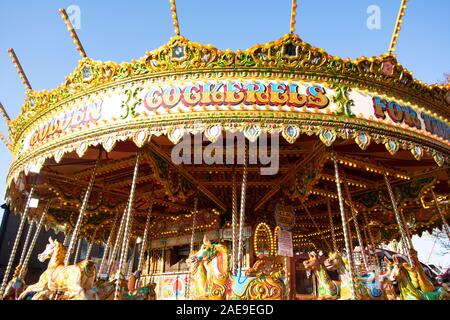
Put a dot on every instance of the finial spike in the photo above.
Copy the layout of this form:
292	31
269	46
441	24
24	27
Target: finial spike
173	8
5	141
293	16
19	68
73	33
4	113
398	26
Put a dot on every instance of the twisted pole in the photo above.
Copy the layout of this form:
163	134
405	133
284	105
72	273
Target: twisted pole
115	249
145	238
344	227
242	213
35	238
358	231
91	244
127	229
234	226
108	245
16	243
77	251
397	217
76	231
27	240
333	234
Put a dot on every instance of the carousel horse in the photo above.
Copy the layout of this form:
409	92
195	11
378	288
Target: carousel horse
72	281
410	283
15	287
211	278
367	287
327	288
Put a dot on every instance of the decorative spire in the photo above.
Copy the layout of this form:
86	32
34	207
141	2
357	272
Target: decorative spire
398	27
5	141
173	8
4	113
73	33
19	68
293	16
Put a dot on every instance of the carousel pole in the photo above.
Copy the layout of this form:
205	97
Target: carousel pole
91	244
66	239
293	16
403	234
16	243
344	227
87	195
242	212
371	238
194	224
107	246
116	247
127	228
176	25
234	226
358	231
316	226
333	234
24	268
398	26
131	264
145	238
408	234
444	222
25	245
77	251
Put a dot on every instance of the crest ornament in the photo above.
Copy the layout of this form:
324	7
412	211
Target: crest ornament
109	143
213	133
140	138
392	146
58	156
291	133
252	132
175	135
439	158
363	140
82	148
328	137
417	152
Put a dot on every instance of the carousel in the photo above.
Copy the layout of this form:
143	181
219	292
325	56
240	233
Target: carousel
269	173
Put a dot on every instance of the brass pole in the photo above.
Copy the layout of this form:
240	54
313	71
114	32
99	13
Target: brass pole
344	227
127	229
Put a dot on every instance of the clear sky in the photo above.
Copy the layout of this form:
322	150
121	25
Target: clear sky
125	30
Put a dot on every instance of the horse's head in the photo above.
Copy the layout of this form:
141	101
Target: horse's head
50	249
393	269
207	251
334	261
313	263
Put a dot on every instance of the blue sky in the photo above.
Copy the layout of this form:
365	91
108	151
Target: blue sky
123	30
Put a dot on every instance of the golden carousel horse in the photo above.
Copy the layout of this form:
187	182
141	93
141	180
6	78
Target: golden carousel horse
67	283
413	283
367	287
211	280
327	288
